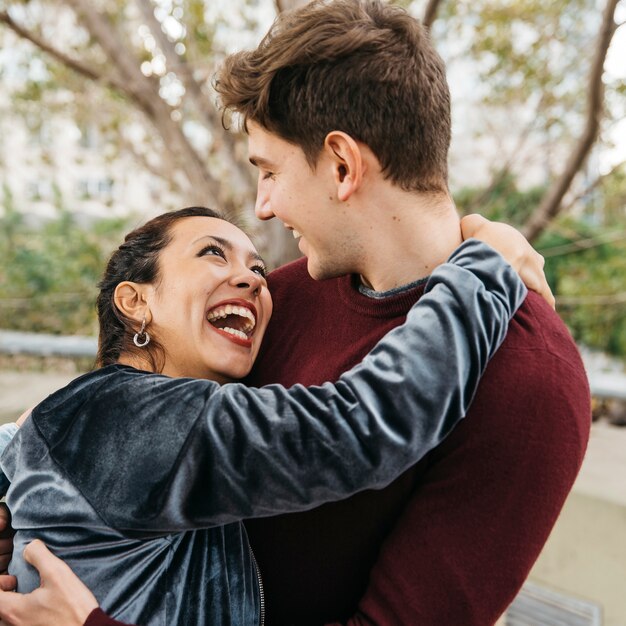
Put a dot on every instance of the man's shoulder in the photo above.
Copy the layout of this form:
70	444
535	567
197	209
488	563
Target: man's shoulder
533	399
537	377
538	361
537	327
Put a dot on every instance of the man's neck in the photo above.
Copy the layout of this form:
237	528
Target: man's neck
413	234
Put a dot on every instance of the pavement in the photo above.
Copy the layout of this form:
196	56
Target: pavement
603	474
22	390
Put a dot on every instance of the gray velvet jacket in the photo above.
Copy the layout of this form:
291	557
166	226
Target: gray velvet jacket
139	481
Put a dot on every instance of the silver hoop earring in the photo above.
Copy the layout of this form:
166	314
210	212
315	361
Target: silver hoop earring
138	340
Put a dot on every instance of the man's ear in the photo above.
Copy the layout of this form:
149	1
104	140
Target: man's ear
347	161
131	301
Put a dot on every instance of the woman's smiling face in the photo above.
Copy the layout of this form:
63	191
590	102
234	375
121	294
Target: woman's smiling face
210	307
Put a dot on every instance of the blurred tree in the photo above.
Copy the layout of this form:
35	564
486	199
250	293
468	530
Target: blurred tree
154	59
587	267
133	55
544	104
585	254
140	72
48	275
128	65
501	200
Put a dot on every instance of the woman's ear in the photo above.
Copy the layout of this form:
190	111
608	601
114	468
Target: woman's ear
131	301
347	162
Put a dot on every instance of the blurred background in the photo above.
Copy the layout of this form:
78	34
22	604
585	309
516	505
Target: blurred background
108	117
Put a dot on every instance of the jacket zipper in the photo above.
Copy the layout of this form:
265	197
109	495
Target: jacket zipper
261	591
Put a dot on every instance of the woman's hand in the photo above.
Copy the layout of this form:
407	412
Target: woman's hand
22	418
514	247
61	600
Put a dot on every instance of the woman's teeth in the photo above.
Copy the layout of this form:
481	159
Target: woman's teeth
234	331
232	309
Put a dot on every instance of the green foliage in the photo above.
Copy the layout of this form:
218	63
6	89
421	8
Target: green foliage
612	206
527	48
530	61
585	256
48	274
501	201
589	282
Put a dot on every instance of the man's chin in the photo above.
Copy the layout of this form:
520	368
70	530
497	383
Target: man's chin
323	271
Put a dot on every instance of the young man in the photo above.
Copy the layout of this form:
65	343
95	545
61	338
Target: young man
348	115
347	110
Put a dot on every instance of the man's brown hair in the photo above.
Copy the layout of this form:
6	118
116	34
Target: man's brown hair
360	66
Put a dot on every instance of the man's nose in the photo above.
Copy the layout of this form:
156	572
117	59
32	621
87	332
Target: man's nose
262	208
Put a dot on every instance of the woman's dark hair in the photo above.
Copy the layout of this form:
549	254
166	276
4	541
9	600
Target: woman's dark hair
136	260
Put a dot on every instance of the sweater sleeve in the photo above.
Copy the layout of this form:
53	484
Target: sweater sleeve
254	452
7	432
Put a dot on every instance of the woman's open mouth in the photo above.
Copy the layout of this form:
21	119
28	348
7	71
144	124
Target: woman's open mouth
234	320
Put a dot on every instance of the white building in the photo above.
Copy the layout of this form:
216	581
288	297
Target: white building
48	160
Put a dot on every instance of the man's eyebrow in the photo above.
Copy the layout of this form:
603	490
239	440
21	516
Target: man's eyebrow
260	162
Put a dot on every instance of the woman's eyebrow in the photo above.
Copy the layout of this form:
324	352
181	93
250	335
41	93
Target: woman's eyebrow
226	243
255	256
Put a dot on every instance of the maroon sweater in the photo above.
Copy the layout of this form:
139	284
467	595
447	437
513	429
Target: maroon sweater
451	541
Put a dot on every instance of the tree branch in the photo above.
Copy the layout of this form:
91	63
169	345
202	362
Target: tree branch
159	171
74	64
144	91
183	70
552	201
603	300
136	86
288	5
241	178
593	185
583	244
431	12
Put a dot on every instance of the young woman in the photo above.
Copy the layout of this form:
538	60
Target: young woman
139	473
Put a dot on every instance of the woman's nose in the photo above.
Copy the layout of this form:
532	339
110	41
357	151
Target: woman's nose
248	280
